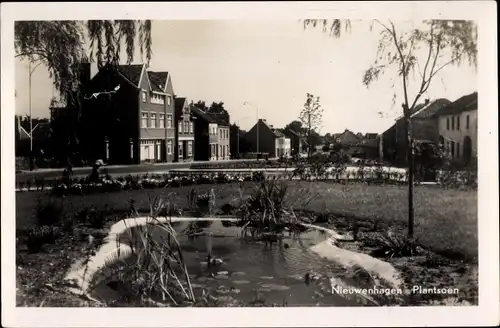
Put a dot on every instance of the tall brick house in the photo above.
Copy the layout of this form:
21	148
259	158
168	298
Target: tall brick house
129	114
185	136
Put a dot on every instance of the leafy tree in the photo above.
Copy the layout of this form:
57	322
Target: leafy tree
295	126
201	105
217	108
428	49
311	118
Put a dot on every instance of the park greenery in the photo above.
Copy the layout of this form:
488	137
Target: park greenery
427	50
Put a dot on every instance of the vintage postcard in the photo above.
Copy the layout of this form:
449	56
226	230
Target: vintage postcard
249	164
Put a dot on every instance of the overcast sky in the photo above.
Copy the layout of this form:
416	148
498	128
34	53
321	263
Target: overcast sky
272	65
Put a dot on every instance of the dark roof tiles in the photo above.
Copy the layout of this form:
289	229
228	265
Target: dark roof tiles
158	80
131	72
462	104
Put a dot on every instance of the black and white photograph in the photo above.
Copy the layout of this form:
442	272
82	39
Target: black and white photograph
170	157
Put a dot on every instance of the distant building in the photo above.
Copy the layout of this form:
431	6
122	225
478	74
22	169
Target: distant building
357	145
393	141
458	128
298	143
265	139
185	137
212	136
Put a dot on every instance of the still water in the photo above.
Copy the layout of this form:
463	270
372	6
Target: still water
247	269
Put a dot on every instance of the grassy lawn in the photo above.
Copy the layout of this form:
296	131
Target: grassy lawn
445	220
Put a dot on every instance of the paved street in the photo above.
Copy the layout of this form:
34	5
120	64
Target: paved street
49	174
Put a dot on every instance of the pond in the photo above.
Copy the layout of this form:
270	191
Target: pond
247	269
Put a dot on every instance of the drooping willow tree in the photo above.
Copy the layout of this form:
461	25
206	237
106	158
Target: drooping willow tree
61	45
419	54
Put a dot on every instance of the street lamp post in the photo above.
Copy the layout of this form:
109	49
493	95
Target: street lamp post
30	71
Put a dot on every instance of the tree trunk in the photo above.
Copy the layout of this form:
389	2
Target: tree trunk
411	169
309	137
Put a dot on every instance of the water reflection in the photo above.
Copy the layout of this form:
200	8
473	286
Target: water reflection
250	267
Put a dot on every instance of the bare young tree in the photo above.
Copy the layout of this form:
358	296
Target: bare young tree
311	118
427	50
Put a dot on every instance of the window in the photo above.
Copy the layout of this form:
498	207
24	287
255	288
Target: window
157	99
448	123
180	150
169	100
467	122
190	148
162	121
152	121
186	127
458	123
191	127
144	96
144	120
458	149
169	147
180	127
452	148
169	121
453	123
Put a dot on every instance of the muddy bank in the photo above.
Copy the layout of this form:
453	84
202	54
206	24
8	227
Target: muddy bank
429	277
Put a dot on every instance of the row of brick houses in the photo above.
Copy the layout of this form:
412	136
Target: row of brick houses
131	115
452	125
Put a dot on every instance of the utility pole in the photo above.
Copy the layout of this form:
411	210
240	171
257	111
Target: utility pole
30	70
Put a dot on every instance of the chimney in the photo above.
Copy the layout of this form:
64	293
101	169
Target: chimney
427	101
84	73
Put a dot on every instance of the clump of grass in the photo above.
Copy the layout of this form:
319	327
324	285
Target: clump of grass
38	236
153	266
393	244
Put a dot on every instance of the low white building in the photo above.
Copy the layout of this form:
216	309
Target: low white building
283	145
457	125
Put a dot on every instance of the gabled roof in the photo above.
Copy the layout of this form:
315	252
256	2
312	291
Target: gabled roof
462	104
158	80
429	109
131	73
348	138
277	133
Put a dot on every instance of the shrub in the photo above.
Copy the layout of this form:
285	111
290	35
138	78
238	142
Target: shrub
392	244
97	218
49	213
38	236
